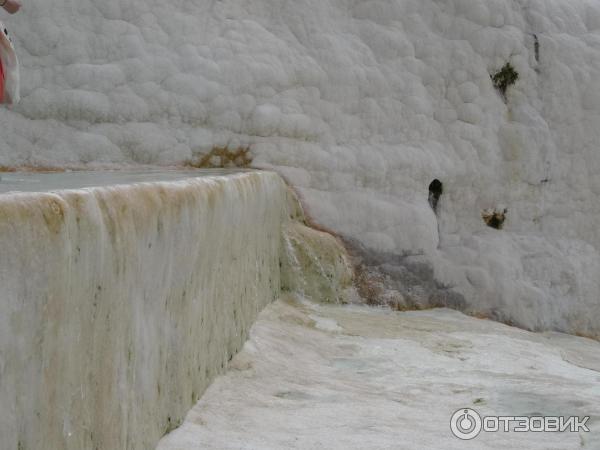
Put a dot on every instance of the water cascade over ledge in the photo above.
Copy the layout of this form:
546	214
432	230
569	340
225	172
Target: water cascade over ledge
120	304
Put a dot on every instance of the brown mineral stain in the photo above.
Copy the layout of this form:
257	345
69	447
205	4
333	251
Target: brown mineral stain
54	214
221	157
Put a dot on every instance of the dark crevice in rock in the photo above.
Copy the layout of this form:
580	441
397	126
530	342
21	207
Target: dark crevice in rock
436	189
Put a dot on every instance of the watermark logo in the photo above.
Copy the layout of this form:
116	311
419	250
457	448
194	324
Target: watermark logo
467	424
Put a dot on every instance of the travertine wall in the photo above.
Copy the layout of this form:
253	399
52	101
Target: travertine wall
119	305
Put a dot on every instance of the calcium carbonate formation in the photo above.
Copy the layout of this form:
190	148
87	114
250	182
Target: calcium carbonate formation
360	105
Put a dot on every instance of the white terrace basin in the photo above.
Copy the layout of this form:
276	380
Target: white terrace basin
53	181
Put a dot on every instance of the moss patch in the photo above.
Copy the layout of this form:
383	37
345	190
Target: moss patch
504	78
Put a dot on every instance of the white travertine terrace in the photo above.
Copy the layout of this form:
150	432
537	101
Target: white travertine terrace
120	304
353	378
360	105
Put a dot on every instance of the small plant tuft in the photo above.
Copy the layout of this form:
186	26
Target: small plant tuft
494	218
507	76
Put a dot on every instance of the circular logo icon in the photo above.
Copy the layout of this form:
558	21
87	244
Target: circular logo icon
465	424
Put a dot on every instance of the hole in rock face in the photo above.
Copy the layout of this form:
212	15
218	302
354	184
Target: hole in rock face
494	218
436	189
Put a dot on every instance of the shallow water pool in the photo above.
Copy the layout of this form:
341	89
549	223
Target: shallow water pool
55	181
